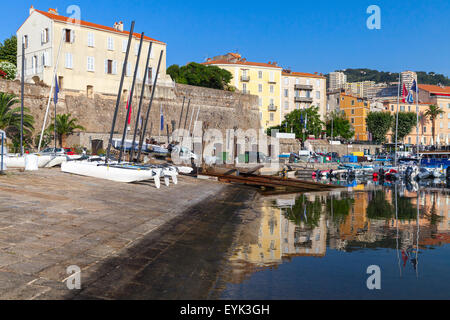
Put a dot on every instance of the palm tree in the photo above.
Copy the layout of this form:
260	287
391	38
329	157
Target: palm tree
433	112
10	117
65	126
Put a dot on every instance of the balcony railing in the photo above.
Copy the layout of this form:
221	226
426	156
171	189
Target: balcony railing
272	107
245	78
272	81
303	99
303	87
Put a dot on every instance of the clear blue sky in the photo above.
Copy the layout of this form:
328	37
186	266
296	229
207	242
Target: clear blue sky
305	35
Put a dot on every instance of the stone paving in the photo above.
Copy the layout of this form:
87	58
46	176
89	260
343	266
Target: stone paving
50	220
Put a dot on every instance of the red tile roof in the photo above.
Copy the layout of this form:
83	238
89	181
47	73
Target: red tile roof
63	19
435	89
243	63
303	74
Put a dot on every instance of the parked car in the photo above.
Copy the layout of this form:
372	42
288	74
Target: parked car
52	150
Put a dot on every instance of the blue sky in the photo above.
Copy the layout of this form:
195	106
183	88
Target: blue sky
305	35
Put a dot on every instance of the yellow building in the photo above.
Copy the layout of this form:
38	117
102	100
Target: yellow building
91	56
356	110
260	79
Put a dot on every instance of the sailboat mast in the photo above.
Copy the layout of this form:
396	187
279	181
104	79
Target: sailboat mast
119	95
396	121
140	100
22	97
130	102
150	105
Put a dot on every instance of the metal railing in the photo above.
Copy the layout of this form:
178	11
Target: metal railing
245	78
303	99
303	87
272	107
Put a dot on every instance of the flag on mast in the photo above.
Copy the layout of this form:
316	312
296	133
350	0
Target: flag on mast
162	118
404	94
415	89
129	106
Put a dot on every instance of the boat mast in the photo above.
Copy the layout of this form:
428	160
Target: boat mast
51	91
130	102
119	95
181	116
21	98
140	100
149	106
396	121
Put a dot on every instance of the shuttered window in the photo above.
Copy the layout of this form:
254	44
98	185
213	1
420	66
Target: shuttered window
91	64
110	43
69	61
91	39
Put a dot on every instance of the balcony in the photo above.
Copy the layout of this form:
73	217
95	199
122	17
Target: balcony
303	99
272	107
273	81
245	78
303	87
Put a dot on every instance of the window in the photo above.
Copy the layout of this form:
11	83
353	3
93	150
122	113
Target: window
91	40
448	115
110	43
271	89
260	102
318	94
69	61
409	140
441	116
272	76
260	116
441	125
409	108
402	108
424	129
353	111
297	105
308	82
90	92
271	102
286	105
244	87
286	93
297	81
44	36
91	64
34	64
110	67
353	120
150	75
318	83
124	45
69	36
260	88
271	116
392	108
448	125
46	59
260	74
25	41
286	81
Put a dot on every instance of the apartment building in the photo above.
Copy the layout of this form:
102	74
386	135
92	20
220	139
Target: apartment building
337	80
303	90
256	78
91	56
360	89
425	132
407	78
356	110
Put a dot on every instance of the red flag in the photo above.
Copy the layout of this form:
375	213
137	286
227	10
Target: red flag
129	116
404	94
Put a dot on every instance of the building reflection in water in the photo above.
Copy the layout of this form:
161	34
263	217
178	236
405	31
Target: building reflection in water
363	217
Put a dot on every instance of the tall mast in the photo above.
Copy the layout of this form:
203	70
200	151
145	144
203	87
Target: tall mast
149	106
396	121
119	95
140	100
22	85
181	116
130	102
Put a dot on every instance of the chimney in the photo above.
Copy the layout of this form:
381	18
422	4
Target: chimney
120	26
31	9
53	11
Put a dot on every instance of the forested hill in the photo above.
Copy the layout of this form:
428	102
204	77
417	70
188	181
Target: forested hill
356	75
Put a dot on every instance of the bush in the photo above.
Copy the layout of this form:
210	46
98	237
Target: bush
7	70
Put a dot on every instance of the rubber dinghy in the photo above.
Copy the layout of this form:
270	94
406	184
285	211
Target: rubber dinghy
113	172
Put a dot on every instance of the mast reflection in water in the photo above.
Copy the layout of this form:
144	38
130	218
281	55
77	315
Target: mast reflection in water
319	246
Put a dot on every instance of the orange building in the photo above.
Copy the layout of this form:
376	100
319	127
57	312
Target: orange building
356	110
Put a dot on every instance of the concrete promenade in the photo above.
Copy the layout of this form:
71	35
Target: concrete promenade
50	221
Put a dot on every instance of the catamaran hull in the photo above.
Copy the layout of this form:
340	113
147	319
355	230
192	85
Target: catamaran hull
107	172
45	161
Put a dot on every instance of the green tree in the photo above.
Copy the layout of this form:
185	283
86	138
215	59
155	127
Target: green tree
406	122
433	112
65	126
305	213
295	122
196	74
10	116
378	124
8	50
341	126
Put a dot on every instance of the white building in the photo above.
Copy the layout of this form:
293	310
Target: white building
337	80
302	90
91	55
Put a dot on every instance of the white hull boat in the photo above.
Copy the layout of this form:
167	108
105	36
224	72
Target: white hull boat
110	172
44	161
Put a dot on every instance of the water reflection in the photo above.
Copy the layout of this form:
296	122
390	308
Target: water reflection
363	217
